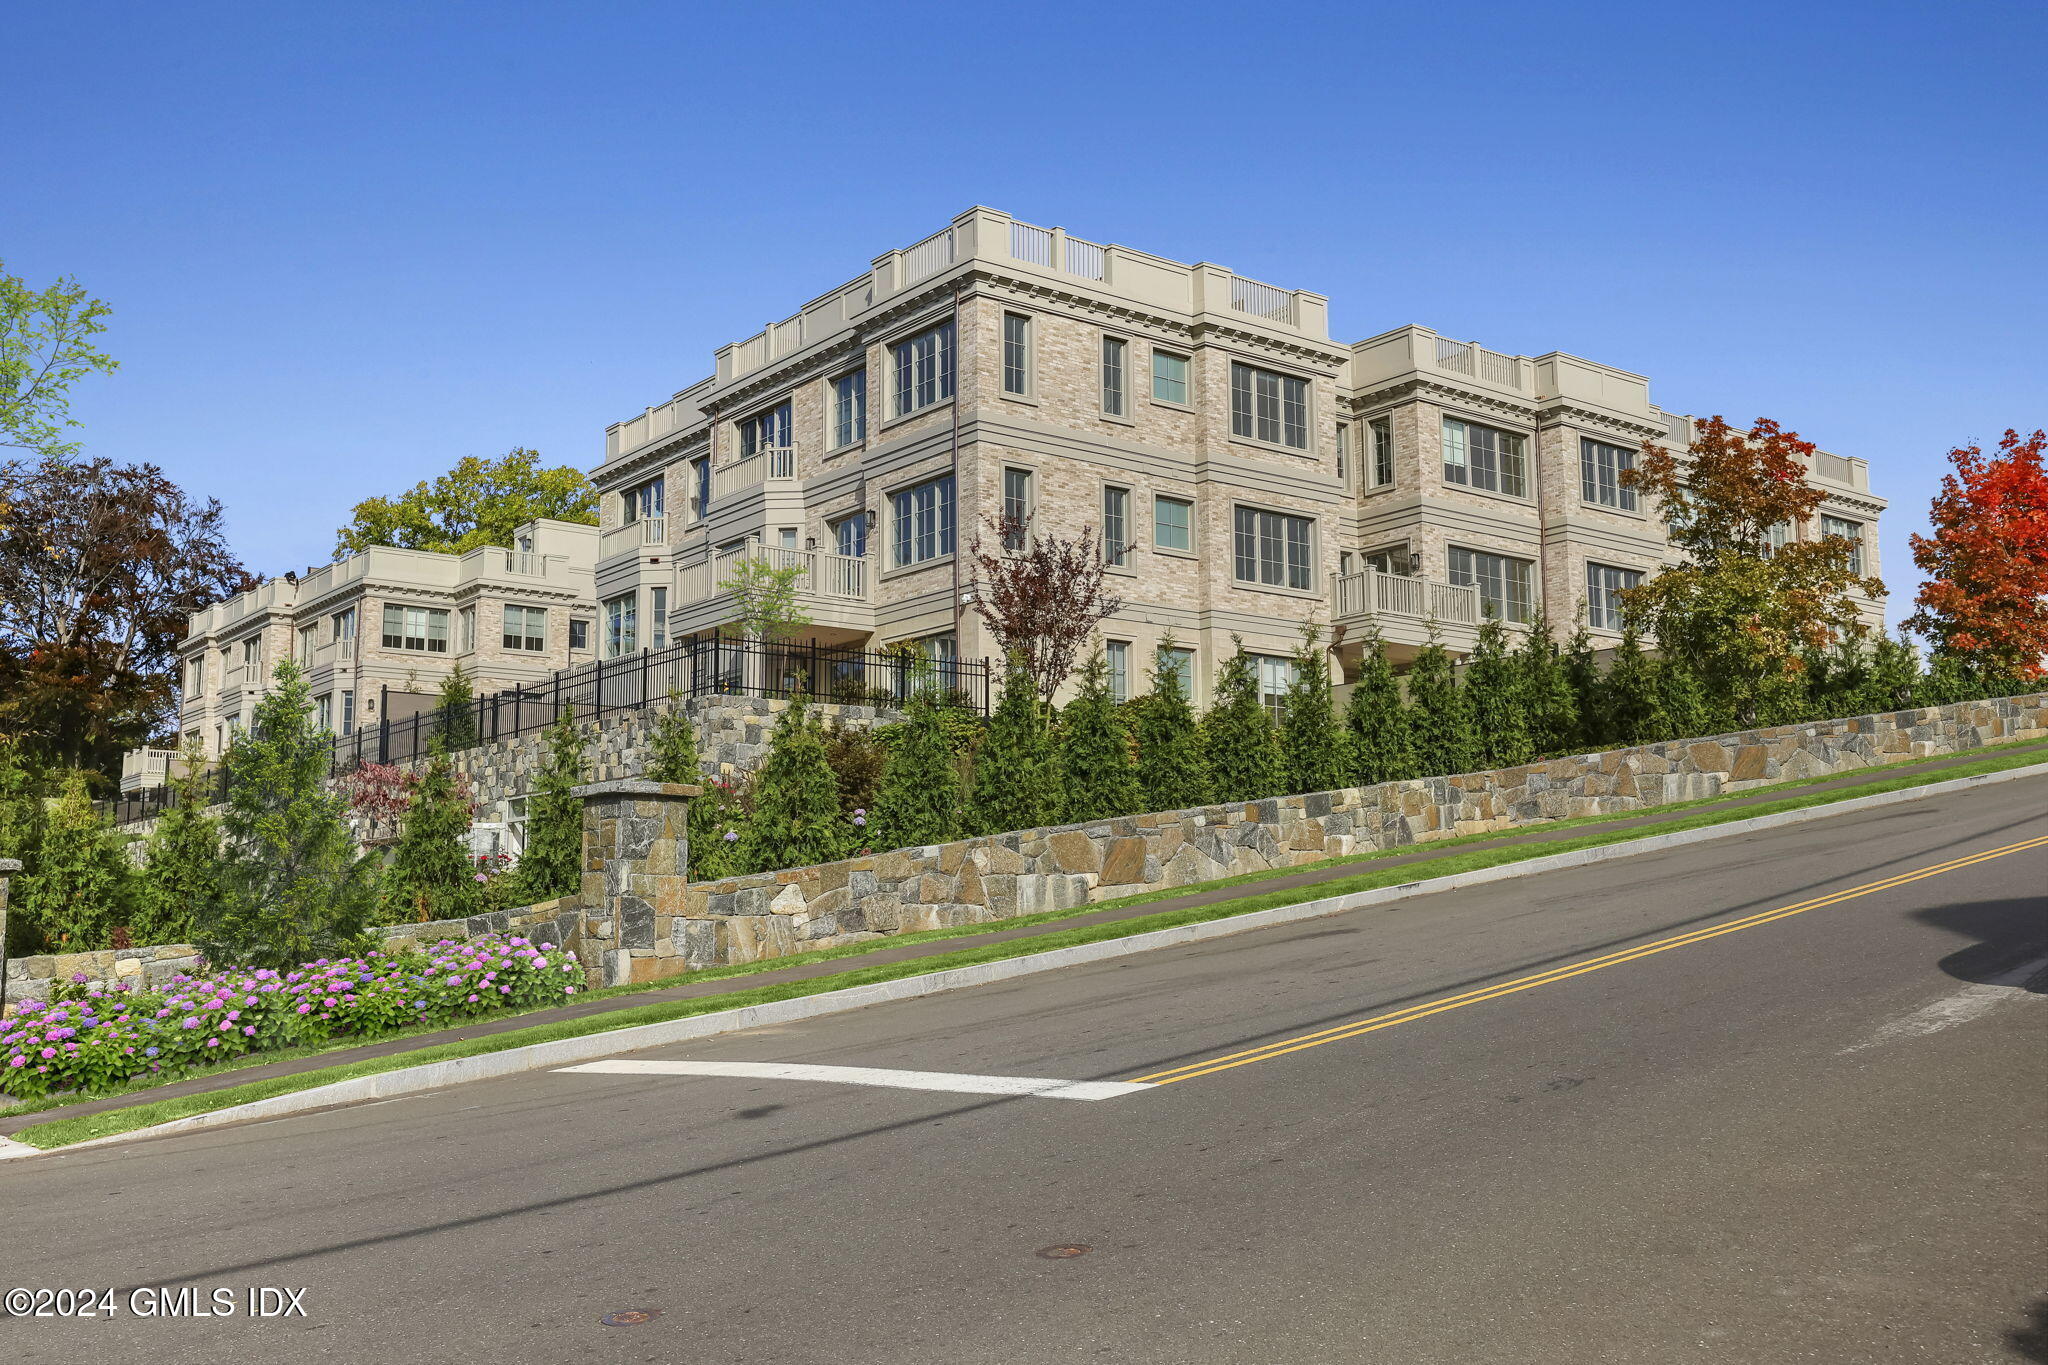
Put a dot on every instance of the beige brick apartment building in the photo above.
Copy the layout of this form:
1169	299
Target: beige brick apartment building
1248	473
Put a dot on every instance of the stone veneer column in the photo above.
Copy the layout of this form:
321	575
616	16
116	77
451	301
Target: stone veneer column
636	861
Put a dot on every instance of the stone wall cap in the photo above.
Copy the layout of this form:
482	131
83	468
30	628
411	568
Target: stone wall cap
636	786
9	865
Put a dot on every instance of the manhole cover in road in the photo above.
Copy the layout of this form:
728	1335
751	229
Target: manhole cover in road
630	1317
1061	1253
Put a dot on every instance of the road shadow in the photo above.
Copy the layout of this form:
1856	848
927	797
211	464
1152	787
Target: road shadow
2009	933
2031	1342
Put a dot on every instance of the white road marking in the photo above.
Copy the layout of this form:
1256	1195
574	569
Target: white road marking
1040	1087
1971	1002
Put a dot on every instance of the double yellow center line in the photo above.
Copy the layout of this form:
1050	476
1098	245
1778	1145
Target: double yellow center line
1340	1032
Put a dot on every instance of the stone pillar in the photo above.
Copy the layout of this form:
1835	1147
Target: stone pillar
8	867
636	861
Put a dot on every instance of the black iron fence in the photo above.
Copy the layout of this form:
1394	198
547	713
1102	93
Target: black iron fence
408	722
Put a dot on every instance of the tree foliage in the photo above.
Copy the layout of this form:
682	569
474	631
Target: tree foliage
1986	565
1376	720
100	565
455	711
1097	780
1499	701
46	345
182	874
551	859
1312	743
1016	770
1042	602
431	876
1629	696
83	885
1548	690
1173	774
1242	752
766	605
918	801
478	502
797	819
1440	716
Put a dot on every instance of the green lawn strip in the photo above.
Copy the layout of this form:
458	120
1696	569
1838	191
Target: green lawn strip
109	1122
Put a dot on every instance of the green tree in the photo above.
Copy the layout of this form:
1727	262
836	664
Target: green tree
182	874
22	821
1895	679
551	860
1629	696
1547	688
1685	709
294	886
918	802
431	876
1312	743
1440	717
1581	666
1016	771
1500	706
83	884
479	502
455	712
1238	742
1378	721
672	748
766	605
1096	777
1173	774
46	346
797	818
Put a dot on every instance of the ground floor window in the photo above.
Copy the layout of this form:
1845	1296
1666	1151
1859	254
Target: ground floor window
1603	604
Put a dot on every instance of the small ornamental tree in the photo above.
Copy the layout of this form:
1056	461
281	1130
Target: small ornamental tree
1042	600
1173	774
1500	707
1312	743
1016	773
766	601
918	800
182	874
455	712
1237	735
551	860
1629	696
294	886
1376	720
1096	778
1986	594
430	876
1582	674
1440	717
672	757
1895	680
83	885
797	820
672	748
1548	692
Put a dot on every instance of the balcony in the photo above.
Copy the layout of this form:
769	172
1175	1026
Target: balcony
632	537
1405	610
142	769
835	591
329	654
768	465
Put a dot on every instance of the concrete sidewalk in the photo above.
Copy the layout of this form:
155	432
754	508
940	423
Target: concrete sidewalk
1419	858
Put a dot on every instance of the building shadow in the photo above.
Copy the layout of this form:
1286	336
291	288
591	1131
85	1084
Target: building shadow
2008	935
2031	1341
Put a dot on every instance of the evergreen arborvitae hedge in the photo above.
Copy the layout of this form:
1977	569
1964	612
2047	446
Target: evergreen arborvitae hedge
1096	778
431	876
83	884
182	874
1237	736
672	748
1547	685
1440	719
797	820
1500	710
455	712
1016	772
1630	699
551	863
1173	774
1682	706
1377	721
1582	674
22	821
918	801
1895	678
294	886
1312	743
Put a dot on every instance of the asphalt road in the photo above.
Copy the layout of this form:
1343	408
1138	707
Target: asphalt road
1822	1136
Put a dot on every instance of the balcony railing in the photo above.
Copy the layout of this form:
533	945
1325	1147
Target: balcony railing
146	768
770	462
634	534
340	651
819	573
1377	594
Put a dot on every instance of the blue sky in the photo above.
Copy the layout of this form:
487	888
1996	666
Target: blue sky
347	245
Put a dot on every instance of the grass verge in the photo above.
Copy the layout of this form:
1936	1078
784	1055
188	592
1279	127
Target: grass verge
64	1132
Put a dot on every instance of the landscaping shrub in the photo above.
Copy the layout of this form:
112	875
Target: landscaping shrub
1238	743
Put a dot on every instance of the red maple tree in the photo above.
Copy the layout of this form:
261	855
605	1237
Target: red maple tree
1986	593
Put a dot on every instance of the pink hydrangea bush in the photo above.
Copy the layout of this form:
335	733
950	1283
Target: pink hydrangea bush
93	1038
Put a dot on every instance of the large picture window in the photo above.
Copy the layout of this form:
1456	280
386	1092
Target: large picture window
1601	466
1484	457
1603	582
923	518
1267	406
1272	548
924	369
1503	583
424	628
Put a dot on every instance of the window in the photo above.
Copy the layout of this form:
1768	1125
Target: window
1603	608
765	431
1272	548
850	534
1017	494
348	713
1268	407
642	503
1851	531
307	636
621	625
1600	469
1343	452
1179	664
1116	526
657	618
1016	353
252	656
1169	377
467	617
700	481
1382	451
1503	583
1113	394
415	628
1482	457
1394	561
526	628
1118	653
924	369
323	711
195	677
924	521
1173	524
849	408
345	624
579	635
1276	675
1777	538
